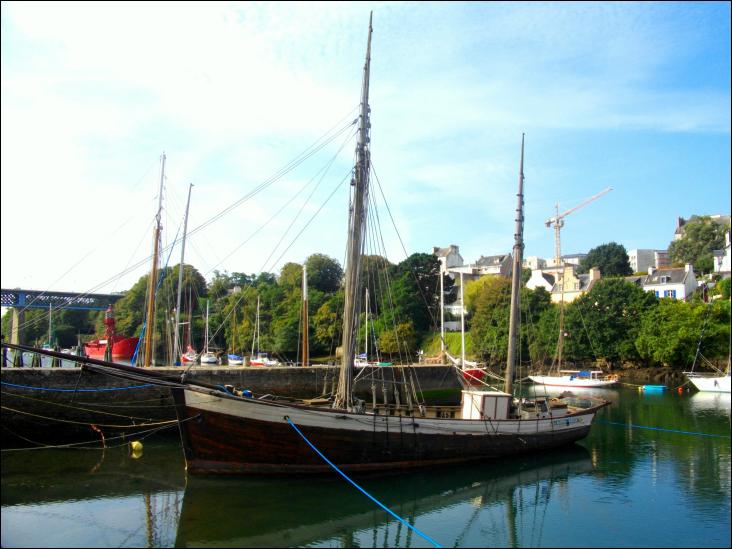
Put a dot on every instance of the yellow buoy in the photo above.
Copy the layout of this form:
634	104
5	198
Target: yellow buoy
136	446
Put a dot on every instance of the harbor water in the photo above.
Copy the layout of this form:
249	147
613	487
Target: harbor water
654	472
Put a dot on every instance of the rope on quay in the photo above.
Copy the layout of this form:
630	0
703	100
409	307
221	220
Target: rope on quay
372	498
78	408
80	445
167	422
632	426
76	390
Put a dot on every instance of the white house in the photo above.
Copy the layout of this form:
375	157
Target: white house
449	257
541	279
674	282
722	257
573	259
534	262
486	265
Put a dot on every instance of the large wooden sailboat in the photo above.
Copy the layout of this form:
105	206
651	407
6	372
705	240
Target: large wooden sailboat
233	433
225	430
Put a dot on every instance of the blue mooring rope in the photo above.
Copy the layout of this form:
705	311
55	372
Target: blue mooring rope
364	492
661	429
77	390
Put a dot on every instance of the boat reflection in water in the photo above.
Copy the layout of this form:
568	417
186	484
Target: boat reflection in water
706	402
286	512
92	498
113	498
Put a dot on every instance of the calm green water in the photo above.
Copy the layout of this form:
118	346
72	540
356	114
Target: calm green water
621	487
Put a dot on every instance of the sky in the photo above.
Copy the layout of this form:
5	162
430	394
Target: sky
633	96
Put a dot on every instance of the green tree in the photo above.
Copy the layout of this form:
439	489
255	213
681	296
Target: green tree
604	322
611	259
670	333
324	273
490	323
415	291
701	236
485	286
327	323
722	288
291	275
399	341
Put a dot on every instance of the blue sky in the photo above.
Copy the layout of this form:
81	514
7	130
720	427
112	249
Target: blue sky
635	96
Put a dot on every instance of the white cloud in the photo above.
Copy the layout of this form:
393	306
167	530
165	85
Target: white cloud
93	93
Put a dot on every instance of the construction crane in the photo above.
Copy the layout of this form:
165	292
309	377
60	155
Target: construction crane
558	221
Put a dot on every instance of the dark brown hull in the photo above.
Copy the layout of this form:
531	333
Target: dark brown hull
216	443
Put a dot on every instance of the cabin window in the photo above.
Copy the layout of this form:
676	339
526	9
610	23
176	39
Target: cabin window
669	293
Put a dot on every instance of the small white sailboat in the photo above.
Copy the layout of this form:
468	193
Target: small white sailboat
232	358
362	359
259	358
717	382
577	378
586	379
207	357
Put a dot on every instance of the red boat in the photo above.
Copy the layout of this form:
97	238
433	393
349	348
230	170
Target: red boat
122	347
474	376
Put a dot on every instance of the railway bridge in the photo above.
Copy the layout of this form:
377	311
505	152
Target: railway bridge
19	300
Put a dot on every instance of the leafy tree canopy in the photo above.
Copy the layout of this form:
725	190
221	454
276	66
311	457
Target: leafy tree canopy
671	333
324	273
611	259
701	236
604	322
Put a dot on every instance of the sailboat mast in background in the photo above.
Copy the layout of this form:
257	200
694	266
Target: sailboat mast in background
518	250
176	346
152	283
305	349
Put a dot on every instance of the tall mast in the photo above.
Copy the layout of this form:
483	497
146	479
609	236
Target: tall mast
560	340
256	329
442	308
152	283
356	225
176	345
305	350
518	250
50	322
366	346
205	346
462	322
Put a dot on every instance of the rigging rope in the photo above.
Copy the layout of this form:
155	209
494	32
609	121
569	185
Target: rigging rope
632	426
364	492
319	144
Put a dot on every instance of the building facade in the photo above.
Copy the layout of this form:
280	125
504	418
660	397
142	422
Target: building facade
572	285
671	282
640	260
